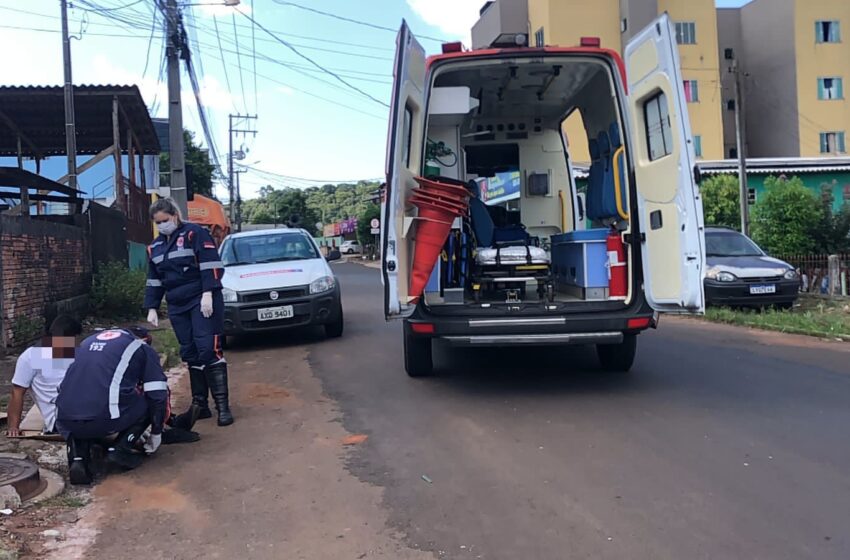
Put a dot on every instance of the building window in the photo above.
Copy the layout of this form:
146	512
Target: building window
828	31
752	197
698	145
659	137
686	33
539	39
691	91
832	143
830	88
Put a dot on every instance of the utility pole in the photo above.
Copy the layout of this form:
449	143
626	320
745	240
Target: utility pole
176	152
238	202
235	213
740	133
70	124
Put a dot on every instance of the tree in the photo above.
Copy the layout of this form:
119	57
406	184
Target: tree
833	231
786	218
721	201
203	171
364	223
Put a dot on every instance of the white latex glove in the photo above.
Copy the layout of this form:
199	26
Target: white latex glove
153	443
153	317
206	305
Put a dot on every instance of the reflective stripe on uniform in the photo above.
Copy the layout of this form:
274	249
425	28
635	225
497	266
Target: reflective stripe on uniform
156	244
155	386
154	283
118	376
211	265
158	259
181	253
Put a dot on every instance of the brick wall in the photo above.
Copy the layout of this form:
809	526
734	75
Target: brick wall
41	263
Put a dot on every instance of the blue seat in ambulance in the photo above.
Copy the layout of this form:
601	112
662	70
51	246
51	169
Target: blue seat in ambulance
601	203
616	143
594	180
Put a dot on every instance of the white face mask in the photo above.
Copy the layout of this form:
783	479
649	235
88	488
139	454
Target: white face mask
167	228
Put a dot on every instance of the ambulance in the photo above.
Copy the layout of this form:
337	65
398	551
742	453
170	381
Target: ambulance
536	262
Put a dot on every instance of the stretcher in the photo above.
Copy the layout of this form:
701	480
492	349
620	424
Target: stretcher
508	270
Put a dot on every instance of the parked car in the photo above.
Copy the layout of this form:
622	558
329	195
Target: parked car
738	272
350	248
277	279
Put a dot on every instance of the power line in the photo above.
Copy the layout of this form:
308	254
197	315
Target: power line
351	20
116	8
302	179
313	62
150	42
254	48
239	60
223	65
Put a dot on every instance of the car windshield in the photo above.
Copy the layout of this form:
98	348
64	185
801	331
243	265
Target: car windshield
730	244
268	248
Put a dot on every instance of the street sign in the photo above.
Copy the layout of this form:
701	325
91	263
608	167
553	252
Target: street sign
376	223
376	231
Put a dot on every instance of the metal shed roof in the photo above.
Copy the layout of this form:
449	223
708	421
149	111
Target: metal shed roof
772	166
38	114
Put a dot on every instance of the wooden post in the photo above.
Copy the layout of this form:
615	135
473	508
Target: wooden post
25	191
116	142
834	275
131	158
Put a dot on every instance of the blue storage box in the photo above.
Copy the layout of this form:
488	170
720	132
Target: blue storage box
579	259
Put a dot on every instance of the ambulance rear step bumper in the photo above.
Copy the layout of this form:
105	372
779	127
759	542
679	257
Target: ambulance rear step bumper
534	339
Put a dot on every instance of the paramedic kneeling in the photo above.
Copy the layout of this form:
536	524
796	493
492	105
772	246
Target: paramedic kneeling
185	267
115	385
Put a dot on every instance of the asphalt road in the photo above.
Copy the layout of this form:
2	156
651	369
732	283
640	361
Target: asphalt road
721	443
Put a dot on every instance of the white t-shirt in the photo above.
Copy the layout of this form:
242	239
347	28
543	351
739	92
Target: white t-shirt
38	371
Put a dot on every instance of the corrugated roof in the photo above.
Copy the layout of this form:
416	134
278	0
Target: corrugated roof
766	166
38	112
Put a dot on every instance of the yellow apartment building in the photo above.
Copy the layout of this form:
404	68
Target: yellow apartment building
796	59
564	22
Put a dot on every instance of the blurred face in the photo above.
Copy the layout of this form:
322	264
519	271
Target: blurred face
62	346
165	223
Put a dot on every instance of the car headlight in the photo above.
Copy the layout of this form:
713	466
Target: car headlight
791	274
720	275
230	296
323	284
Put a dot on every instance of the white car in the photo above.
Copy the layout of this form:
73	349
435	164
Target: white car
350	247
277	279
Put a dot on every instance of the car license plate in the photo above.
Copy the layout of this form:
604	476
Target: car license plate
275	313
763	289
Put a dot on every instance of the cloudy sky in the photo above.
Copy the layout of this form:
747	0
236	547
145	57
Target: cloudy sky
312	127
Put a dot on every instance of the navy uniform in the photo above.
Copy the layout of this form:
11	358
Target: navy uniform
115	385
182	267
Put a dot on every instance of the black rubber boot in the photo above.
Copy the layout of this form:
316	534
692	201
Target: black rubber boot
217	380
186	420
126	451
79	459
200	391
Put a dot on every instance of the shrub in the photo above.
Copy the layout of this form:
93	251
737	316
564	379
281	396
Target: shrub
118	292
785	219
720	201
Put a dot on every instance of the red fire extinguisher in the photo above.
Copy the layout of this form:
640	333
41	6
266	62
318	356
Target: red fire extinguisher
617	266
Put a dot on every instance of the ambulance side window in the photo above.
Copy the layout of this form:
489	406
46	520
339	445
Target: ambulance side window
659	136
406	135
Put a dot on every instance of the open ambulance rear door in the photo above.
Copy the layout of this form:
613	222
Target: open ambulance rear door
669	204
404	160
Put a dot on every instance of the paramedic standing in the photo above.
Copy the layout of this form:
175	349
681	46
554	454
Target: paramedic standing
184	266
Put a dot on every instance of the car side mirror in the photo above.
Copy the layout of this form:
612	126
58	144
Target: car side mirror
334	255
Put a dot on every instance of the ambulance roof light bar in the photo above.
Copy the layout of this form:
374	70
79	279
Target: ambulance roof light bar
510	41
453	47
591	42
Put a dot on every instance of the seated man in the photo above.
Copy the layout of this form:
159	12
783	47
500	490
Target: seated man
115	385
41	369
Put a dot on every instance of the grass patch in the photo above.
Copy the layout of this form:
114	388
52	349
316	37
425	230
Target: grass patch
65	501
165	342
812	316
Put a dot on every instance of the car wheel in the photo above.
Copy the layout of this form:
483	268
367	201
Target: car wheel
418	361
618	357
334	330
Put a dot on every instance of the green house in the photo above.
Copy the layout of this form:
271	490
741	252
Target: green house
816	173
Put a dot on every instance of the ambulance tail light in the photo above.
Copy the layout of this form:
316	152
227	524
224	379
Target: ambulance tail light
591	42
639	323
454	47
422	328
